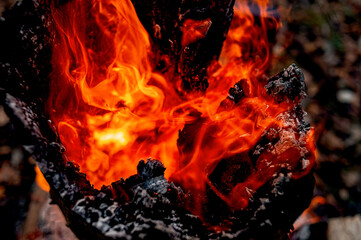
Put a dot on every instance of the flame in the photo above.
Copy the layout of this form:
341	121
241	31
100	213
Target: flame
40	179
111	109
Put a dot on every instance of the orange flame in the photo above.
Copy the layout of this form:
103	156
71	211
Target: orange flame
40	180
112	110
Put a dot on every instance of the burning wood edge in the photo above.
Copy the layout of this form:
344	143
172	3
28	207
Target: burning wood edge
147	206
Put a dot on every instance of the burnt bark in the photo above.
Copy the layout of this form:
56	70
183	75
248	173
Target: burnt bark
171	26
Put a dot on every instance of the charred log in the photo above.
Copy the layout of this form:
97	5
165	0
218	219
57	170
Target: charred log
288	85
172	26
25	52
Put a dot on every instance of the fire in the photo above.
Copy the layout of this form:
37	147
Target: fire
40	180
112	109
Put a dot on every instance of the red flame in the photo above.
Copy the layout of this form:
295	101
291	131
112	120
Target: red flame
112	110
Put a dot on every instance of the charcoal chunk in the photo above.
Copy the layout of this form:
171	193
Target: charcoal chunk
238	91
150	169
288	85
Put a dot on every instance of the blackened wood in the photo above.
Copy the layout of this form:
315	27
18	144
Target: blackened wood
25	51
288	84
166	23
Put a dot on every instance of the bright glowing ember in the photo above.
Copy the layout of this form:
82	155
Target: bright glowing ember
111	109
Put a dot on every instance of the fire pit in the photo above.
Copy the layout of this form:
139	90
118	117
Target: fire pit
234	153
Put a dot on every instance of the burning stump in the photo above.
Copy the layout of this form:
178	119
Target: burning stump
253	188
146	205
